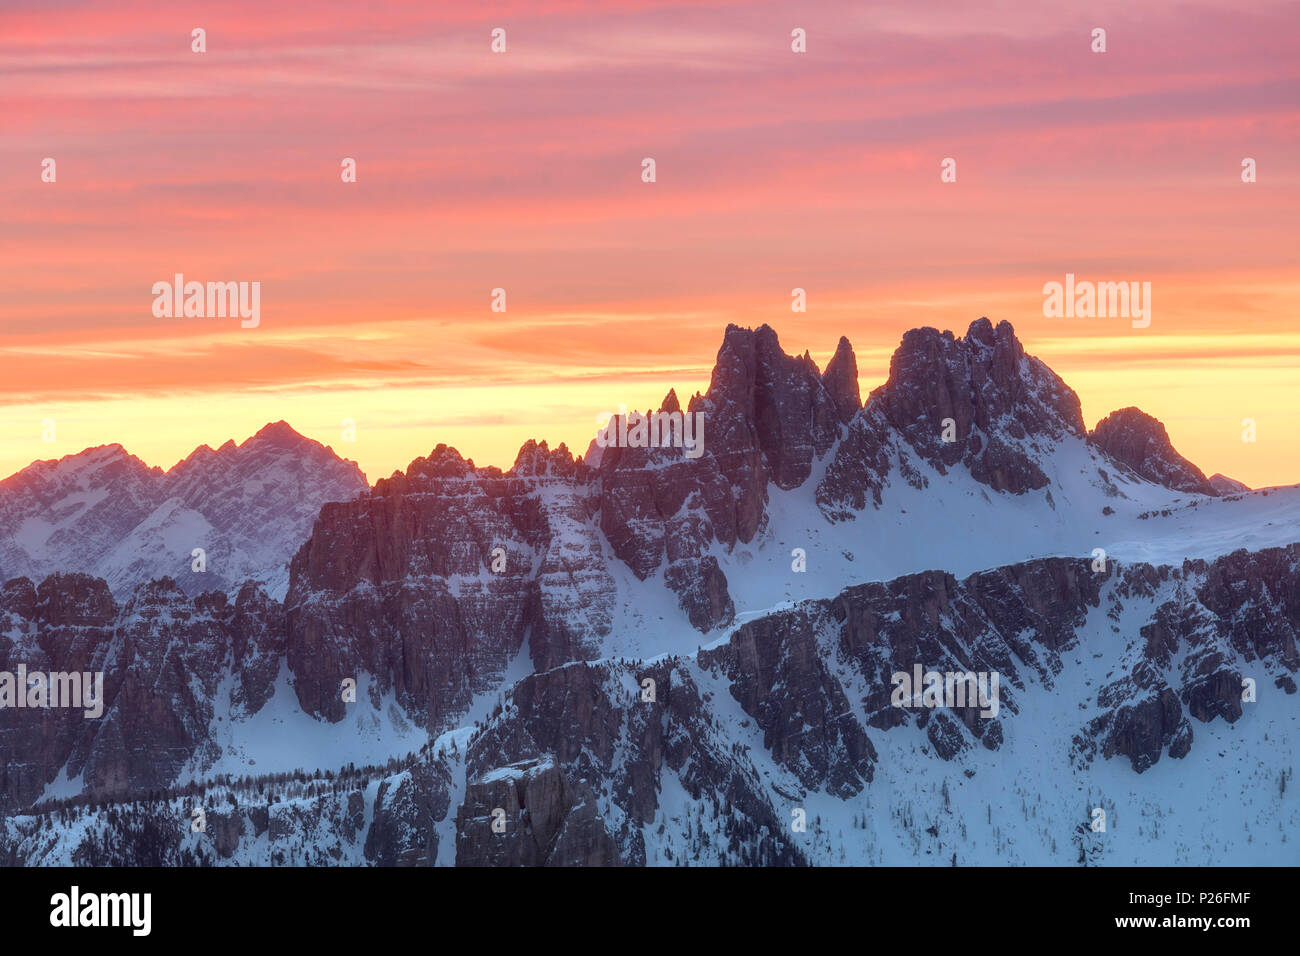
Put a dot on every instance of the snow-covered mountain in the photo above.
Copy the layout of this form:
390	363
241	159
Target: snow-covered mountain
1133	437
645	657
106	513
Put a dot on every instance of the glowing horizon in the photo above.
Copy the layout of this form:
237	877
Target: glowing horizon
522	171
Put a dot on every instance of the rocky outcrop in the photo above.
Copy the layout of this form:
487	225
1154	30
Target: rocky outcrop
979	402
766	417
530	814
431	583
1001	621
1140	442
594	723
1225	620
1003	403
163	656
841	381
1141	731
777	674
1255	599
407	810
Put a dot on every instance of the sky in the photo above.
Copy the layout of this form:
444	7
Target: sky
522	170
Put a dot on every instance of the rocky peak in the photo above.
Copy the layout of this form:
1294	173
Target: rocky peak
279	433
49	480
535	459
274	444
983	381
75	600
423	473
766	417
979	402
107	513
1006	407
1136	439
1227	486
841	381
779	399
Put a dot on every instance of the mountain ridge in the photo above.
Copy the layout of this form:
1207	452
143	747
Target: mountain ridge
105	511
840	375
498	628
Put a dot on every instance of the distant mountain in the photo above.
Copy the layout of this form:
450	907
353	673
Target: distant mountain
1133	437
502	630
1224	485
104	512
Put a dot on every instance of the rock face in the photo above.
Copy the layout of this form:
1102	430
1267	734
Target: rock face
1137	440
1142	730
767	416
779	677
104	512
783	739
541	818
1255	604
977	401
65	625
1227	618
586	735
622	763
164	658
406	812
402	584
431	583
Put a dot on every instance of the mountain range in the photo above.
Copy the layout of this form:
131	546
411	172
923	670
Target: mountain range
105	512
634	656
